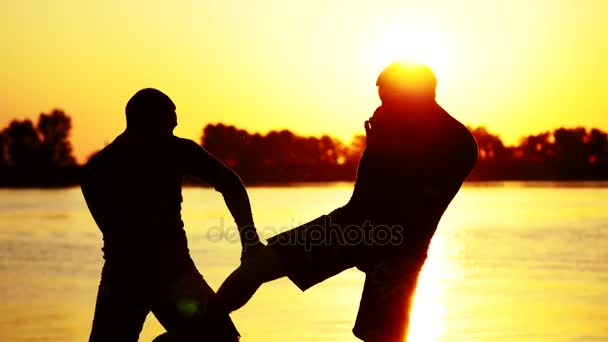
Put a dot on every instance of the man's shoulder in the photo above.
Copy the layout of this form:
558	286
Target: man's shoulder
185	146
458	132
183	142
106	155
460	140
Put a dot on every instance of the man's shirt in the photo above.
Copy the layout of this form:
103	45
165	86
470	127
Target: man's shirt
133	190
410	171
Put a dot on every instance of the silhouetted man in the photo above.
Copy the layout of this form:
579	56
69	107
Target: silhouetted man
416	159
133	190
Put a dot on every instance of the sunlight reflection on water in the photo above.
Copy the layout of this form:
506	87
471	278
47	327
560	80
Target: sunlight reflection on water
427	313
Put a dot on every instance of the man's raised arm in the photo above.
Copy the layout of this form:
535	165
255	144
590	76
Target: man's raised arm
202	165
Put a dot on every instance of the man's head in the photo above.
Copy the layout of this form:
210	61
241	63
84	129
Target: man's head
405	84
151	111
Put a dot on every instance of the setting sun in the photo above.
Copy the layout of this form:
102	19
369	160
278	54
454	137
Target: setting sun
414	41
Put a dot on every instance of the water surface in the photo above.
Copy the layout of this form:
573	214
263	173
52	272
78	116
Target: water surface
510	262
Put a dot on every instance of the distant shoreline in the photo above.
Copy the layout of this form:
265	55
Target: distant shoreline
40	155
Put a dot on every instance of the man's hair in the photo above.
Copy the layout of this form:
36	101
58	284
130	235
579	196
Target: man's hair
408	78
148	108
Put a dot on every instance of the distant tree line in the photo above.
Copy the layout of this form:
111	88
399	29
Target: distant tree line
563	154
281	156
40	155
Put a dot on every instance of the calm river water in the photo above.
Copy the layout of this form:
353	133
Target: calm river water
510	262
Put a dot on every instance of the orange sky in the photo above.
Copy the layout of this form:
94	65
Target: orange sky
517	66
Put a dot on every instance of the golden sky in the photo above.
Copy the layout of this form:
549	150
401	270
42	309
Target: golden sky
516	66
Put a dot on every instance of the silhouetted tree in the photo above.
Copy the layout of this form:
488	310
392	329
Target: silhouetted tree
598	154
579	153
54	129
224	141
38	155
570	145
23	145
490	146
598	147
3	151
536	148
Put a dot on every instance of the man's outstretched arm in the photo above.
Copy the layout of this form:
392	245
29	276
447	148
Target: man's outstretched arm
204	166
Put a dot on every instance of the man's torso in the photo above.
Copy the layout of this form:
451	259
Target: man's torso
408	175
134	193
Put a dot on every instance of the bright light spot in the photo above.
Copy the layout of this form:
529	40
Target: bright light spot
414	41
427	313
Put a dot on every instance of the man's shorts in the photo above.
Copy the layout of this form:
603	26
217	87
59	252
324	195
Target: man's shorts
181	300
343	239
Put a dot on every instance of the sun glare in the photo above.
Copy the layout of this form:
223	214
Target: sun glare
427	313
415	42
